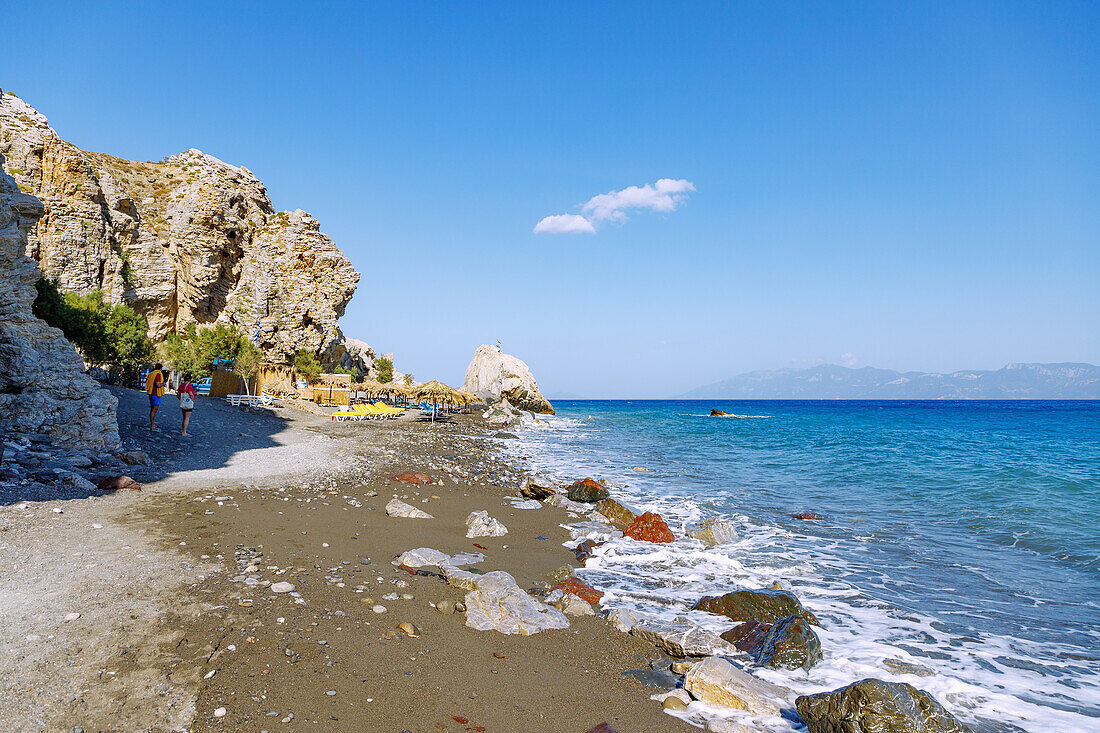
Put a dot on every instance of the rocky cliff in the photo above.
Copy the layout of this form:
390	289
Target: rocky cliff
43	388
493	375
188	239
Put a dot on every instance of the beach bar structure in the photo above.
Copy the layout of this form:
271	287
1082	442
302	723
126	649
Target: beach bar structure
332	389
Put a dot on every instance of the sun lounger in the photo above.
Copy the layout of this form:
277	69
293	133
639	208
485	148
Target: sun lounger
355	413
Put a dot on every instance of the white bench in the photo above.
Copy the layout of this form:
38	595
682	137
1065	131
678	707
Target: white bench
251	400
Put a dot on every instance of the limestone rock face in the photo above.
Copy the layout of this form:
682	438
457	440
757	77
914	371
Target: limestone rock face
189	239
43	387
493	375
355	355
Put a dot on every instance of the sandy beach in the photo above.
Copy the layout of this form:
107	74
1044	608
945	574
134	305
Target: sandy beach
179	629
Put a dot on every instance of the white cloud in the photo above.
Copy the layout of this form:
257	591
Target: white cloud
564	224
664	196
848	359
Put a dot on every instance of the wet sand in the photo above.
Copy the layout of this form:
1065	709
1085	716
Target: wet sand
304	503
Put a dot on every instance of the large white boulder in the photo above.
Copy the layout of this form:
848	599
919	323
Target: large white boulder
427	556
715	681
499	604
398	508
493	375
480	524
680	638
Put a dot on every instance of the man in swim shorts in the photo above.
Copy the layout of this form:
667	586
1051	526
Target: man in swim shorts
154	387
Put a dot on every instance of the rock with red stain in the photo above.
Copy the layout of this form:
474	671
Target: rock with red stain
649	527
580	589
585	550
118	483
748	636
807	515
413	478
588	491
602	728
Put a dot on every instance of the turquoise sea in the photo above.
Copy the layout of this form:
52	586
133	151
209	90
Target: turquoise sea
963	537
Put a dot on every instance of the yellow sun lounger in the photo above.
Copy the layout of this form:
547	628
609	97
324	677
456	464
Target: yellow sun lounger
359	412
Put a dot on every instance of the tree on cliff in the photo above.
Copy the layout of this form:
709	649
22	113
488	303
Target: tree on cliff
108	336
385	369
307	365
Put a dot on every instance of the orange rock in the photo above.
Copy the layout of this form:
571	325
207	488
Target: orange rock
413	478
580	589
649	527
587	490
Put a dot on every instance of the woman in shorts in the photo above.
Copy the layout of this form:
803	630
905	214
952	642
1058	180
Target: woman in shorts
186	394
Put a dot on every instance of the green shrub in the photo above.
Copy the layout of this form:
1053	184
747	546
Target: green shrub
195	350
248	362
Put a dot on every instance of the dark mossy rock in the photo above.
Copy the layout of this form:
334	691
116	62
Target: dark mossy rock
789	644
766	606
715	412
588	491
874	706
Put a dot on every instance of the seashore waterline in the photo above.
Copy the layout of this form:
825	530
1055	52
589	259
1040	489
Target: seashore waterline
958	549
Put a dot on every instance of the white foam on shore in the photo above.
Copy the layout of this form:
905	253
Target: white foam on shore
989	681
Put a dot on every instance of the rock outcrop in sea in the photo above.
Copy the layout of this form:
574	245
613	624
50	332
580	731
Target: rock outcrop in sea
43	387
493	375
870	704
185	240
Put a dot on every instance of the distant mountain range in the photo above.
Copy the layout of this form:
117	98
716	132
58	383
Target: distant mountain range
829	381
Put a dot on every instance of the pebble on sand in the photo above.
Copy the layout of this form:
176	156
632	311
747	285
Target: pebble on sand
282	587
72	616
219	713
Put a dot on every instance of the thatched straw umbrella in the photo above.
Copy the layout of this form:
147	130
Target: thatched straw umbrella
369	386
394	390
437	393
467	397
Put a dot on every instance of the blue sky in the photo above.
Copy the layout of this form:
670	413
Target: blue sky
910	186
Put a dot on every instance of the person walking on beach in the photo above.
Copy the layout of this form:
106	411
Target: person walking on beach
186	394
154	387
